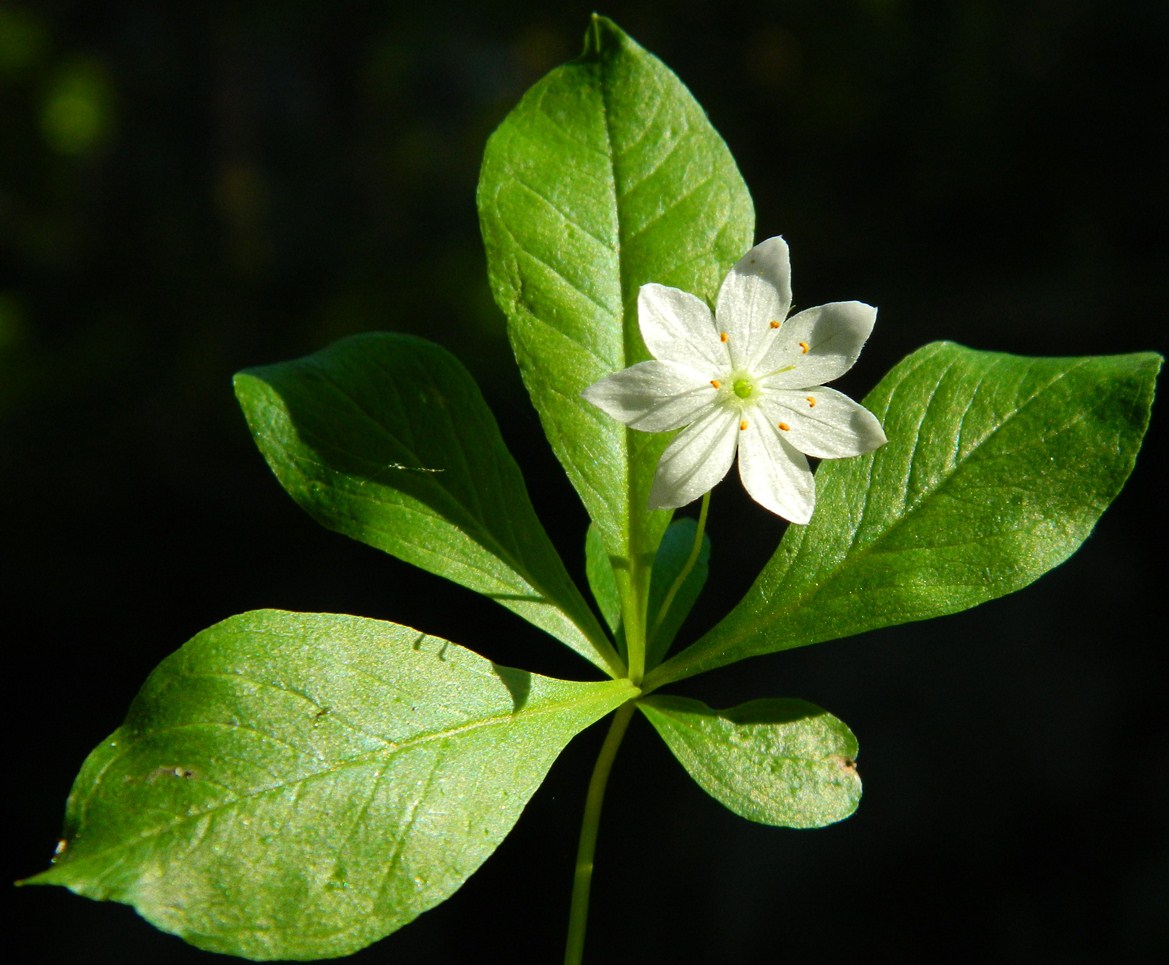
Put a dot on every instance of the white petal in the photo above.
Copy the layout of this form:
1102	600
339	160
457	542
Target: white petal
774	473
822	343
823	422
679	327
756	293
653	396
696	461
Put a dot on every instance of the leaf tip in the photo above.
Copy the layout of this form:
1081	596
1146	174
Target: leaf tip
603	36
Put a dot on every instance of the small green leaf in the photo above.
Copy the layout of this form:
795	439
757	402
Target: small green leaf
996	470
386	438
605	177
780	762
297	786
675	550
599	573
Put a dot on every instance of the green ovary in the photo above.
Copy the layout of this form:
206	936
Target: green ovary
743	388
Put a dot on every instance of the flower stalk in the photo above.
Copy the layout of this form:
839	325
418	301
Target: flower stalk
583	876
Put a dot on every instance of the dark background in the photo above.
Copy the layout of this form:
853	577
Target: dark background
188	191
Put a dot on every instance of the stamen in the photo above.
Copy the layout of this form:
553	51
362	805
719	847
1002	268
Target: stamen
774	323
811	402
723	336
804	346
743	425
785	427
716	383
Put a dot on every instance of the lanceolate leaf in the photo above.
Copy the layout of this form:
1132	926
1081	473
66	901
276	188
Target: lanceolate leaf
599	573
606	176
296	786
781	762
675	550
387	439
996	470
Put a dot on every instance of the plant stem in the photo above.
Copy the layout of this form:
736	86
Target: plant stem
695	550
634	603
583	876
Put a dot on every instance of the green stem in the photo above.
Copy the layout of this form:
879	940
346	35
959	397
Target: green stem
634	603
583	877
695	550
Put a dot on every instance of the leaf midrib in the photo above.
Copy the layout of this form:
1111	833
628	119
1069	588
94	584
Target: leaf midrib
848	559
488	540
528	715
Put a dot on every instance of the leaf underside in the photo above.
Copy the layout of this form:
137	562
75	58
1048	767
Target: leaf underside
297	786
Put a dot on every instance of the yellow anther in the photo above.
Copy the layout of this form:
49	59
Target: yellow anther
774	323
811	402
804	346
785	427
723	336
742	425
716	383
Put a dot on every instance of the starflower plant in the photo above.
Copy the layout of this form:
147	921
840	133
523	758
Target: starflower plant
747	378
300	785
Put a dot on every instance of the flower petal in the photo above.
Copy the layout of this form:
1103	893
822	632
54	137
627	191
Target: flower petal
653	396
775	473
679	327
696	461
755	293
823	422
822	343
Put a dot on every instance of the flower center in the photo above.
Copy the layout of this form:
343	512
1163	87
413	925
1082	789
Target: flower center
743	388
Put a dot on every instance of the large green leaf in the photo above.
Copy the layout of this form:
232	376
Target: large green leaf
996	470
387	439
299	785
605	177
781	762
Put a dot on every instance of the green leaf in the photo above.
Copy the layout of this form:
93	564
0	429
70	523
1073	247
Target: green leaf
675	550
299	785
599	573
780	762
387	439
605	177
996	470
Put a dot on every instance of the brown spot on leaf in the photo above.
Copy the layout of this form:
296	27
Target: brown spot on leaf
844	763
161	773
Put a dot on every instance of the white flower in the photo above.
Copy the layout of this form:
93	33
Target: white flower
746	379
